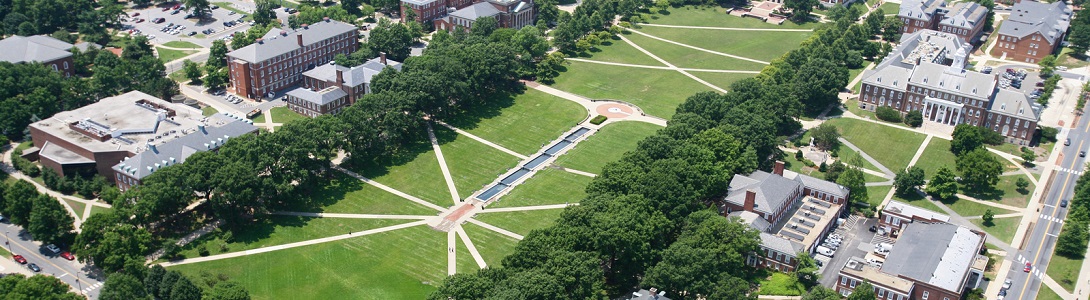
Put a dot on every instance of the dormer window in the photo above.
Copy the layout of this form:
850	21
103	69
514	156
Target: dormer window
1021	111
1003	106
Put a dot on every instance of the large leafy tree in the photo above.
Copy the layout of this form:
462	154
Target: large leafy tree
826	136
907	181
18	286
391	38
217	54
227	291
109	242
943	184
121	286
821	293
966	138
979	169
800	9
49	222
853	179
198	7
864	291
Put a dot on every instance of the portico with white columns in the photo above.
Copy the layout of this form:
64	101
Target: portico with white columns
943	112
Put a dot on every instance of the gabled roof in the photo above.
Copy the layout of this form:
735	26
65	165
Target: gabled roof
472	12
354	76
176	151
751	219
1028	17
780	244
772	190
322	97
826	186
1014	104
920	9
953	80
286	41
39	48
965	15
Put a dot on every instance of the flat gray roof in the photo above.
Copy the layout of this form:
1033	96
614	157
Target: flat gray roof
129	124
287	42
905	209
939	254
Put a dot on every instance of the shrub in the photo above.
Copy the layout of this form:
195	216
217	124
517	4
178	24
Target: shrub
798	155
597	120
202	250
823	167
887	114
1049	133
914	118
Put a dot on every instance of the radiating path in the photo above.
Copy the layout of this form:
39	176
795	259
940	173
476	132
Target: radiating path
661	67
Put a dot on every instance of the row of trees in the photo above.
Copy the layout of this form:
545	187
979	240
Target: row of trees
18	286
1075	235
1079	35
43	216
142	283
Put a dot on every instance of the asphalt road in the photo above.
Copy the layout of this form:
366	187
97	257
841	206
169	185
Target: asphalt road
83	279
1042	239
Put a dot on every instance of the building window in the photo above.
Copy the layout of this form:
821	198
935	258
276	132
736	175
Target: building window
925	295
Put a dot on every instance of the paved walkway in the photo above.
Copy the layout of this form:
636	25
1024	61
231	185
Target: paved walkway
526	208
189	238
592	106
496	229
479	139
990	203
889	174
443	166
472	248
291	245
661	67
668	64
727	28
77	218
350	216
695	48
574	171
391	190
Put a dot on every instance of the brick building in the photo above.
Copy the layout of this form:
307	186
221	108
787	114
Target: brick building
51	52
94	138
896	215
926	72
277	60
792	211
330	88
964	19
930	260
1033	30
451	14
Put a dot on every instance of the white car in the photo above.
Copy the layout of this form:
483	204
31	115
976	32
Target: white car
53	248
1007	284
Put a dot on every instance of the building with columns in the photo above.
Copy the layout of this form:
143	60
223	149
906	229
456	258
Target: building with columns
926	73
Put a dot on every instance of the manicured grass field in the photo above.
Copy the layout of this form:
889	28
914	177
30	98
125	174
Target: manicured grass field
380	266
548	186
417	174
1006	192
472	164
616	50
760	45
492	246
4	253
890	8
208	111
894	150
346	194
464	260
683	57
523	123
721	80
875	195
1065	59
967	208
278	230
717	17
850	157
98	210
657	92
182	44
606	145
168	55
284	115
918	201
936	155
230	7
76	206
781	284
1046	293
1064	270
1002	228
521	222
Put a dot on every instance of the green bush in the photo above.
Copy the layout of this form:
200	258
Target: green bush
202	250
887	114
798	155
914	118
597	120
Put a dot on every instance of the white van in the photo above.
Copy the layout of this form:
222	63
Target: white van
824	251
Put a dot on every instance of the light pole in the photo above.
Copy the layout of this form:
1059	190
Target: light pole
7	240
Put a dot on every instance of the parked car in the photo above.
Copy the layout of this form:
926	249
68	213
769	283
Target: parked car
19	259
1067	142
1082	153
68	255
53	248
1029	266
3	220
159	21
1007	284
139	20
192	33
34	267
177	6
1061	68
166	8
136	14
1063	203
214	7
175	12
986	70
824	251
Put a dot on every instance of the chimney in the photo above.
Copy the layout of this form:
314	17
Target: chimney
340	76
283	33
382	57
751	201
299	38
778	168
306	26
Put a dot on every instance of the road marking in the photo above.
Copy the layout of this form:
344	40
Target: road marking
1037	253
1052	235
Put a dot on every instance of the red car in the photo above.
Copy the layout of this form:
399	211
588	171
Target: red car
139	20
68	255
1028	267
19	259
166	8
136	14
176	6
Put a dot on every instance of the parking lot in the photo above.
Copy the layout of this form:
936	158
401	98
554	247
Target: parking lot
213	22
856	241
1018	78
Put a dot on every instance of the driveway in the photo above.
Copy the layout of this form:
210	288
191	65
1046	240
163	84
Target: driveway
856	243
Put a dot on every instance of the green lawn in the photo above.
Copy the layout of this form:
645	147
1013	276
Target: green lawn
4	252
182	44
284	115
1064	270
690	58
1002	228
523	123
76	206
894	150
208	111
717	17
967	208
1046	293
464	260
401	264
1005	192
606	145
492	246
721	80
179	77
416	173
346	194
521	222
278	230
1067	60
847	156
853	106
760	45
168	55
936	155
781	284
472	164
99	209
616	50
657	92
228	6
875	195
918	201
890	8
548	186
